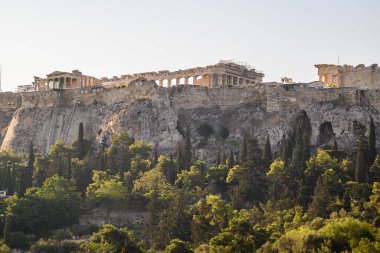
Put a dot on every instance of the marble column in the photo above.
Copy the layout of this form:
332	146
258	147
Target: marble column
195	80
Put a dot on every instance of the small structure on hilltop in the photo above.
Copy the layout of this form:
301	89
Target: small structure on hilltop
361	77
59	80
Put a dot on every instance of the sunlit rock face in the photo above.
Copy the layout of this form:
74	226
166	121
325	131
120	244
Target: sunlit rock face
160	115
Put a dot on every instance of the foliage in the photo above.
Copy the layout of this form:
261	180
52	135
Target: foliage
54	246
299	201
178	246
113	240
105	189
224	132
205	130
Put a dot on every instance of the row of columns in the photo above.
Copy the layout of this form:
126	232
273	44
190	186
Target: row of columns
67	82
210	80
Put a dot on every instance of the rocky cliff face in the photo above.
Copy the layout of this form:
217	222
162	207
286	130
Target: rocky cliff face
156	114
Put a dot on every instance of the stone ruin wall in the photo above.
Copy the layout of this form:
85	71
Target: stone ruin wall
362	77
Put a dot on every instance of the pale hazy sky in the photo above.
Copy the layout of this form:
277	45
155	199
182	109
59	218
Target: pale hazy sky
114	37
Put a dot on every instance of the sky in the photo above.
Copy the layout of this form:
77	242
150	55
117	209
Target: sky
117	37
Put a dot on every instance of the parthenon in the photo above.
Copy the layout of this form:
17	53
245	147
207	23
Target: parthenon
220	74
224	73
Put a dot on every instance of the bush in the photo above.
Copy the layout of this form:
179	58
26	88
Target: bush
5	249
54	246
81	230
18	240
224	133
205	130
178	246
61	234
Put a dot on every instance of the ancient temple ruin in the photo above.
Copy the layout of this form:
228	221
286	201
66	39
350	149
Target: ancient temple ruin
64	80
361	77
224	73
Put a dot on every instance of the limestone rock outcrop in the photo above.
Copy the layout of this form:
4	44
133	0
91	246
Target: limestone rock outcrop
159	115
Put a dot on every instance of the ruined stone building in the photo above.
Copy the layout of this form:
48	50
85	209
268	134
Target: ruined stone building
64	80
361	77
224	73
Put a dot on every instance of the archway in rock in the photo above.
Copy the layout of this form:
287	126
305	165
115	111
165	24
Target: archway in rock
326	133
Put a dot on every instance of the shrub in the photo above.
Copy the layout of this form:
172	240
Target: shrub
61	234
81	230
205	130
54	246
5	249
18	240
178	246
224	133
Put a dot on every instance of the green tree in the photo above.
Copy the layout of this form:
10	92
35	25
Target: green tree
30	167
361	163
9	181
81	145
119	155
54	205
174	222
187	149
267	154
59	159
371	155
22	184
231	159
205	130
375	198
105	189
374	171
178	246
112	240
244	150
82	174
252	182
209	218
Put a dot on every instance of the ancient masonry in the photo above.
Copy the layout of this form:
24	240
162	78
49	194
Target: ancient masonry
226	95
224	73
361	77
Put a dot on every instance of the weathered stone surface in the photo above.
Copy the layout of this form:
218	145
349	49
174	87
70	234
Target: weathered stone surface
157	114
117	217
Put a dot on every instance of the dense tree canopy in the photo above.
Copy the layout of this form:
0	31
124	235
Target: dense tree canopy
246	199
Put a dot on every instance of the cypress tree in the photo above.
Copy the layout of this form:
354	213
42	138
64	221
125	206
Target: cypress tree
6	230
30	167
22	186
267	155
218	159
284	149
155	155
298	155
321	199
153	218
306	147
9	182
81	143
231	159
69	167
244	150
361	163
335	146
179	159
371	144
187	149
